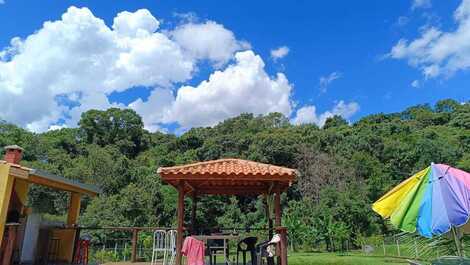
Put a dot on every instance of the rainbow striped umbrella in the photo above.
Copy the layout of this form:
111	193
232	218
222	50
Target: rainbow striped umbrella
430	202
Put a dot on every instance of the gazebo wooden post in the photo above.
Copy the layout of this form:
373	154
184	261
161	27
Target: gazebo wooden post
193	213
279	228
283	247
180	213
134	242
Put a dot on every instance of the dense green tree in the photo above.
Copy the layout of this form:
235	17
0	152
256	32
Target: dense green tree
344	167
335	121
446	105
120	127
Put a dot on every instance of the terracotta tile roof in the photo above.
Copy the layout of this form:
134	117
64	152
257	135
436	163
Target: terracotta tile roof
238	167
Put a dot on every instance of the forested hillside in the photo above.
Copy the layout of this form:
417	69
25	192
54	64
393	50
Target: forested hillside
344	167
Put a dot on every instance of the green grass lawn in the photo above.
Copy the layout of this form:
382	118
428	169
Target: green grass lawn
321	259
335	259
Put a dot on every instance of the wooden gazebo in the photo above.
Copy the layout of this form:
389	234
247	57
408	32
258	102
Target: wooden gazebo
228	177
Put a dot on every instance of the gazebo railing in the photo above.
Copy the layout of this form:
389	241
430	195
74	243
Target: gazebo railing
134	244
112	244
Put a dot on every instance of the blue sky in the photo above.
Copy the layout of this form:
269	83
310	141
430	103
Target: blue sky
352	46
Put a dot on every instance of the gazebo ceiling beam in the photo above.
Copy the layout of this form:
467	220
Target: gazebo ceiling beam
259	188
229	188
231	191
238	190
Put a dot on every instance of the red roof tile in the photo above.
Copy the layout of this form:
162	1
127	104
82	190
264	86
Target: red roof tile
229	167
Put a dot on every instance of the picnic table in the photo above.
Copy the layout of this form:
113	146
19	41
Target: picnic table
224	238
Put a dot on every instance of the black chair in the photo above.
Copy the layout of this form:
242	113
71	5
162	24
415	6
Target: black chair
247	245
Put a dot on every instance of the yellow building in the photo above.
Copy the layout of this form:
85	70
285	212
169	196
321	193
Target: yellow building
52	241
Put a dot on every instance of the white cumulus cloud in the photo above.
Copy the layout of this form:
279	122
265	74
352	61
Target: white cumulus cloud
437	52
280	52
308	114
79	59
208	40
140	22
243	86
155	109
79	54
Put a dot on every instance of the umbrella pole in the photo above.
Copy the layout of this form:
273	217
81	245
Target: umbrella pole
457	241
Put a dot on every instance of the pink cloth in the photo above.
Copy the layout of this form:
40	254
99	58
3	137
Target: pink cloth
194	250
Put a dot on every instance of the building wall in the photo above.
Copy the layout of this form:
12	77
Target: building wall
6	187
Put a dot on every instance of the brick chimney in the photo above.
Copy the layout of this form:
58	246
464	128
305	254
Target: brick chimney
13	154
